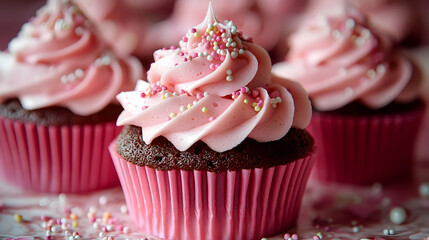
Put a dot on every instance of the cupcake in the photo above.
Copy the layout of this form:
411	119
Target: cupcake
213	146
364	94
58	84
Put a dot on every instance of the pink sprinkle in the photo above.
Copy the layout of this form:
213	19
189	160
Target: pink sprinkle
207	46
154	92
112	221
48	238
181	54
260	104
222	46
243	90
193	30
327	229
222	30
185	39
185	59
79	20
119	228
274	94
215	55
195	55
164	48
58	221
163	87
176	64
217	65
104	229
316	238
182	91
218	38
212	66
204	40
200	95
173	47
222	58
143	108
255	93
211	118
67	211
294	236
258	99
142	95
44	218
167	118
286	236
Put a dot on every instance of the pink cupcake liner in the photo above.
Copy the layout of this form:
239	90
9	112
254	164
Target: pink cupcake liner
364	149
57	159
246	204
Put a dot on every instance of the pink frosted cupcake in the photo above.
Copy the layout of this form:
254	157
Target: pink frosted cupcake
365	97
214	147
58	84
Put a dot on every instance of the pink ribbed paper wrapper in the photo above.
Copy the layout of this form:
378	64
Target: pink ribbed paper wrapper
245	204
57	159
365	149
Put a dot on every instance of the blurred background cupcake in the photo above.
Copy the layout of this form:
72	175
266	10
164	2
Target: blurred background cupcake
365	93
58	83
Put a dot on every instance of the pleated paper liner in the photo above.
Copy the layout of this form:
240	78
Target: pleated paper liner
57	159
365	150
245	204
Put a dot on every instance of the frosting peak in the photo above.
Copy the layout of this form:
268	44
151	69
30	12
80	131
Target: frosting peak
58	60
215	87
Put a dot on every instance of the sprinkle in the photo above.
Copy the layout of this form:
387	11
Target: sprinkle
246	101
197	34
206	94
18	218
73	216
78	73
424	190
185	39
188	106
210	58
371	73
75	224
182	108
102	200
142	95
386	231
126	230
234	54
391	232
257	108
229	71
79	31
350	23
145	107
398	215
56	229
241	51
355	229
204	110
173	115
286	236
211	118
381	69
193	30
200	95
229	78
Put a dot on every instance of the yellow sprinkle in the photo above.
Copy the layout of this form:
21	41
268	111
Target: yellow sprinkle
75	224
257	108
197	34
189	106
254	104
18	218
107	215
73	216
215	43
204	109
90	214
246	101
163	97
173	115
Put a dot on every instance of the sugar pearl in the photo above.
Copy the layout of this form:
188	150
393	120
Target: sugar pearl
398	215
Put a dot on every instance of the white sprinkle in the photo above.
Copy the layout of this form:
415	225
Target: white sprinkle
234	54
67	233
78	73
206	94
371	73
101	234
222	52
194	102
126	229
176	94
200	44
398	215
391	232
56	229
386	232
92	209
205	54
424	190
229	78
279	99
216	48
102	200
79	31
365	33
105	60
47	233
233	44
234	30
71	77
182	108
95	225
62	198
210	58
223	35
208	38
381	69
241	51
360	41
200	54
109	228
355	229
211	32
64	79
228	44
229	71
350	23
59	24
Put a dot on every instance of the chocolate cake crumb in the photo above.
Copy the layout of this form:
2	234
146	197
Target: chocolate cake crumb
162	155
55	115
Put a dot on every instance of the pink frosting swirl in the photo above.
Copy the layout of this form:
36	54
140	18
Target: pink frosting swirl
338	59
216	87
58	60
